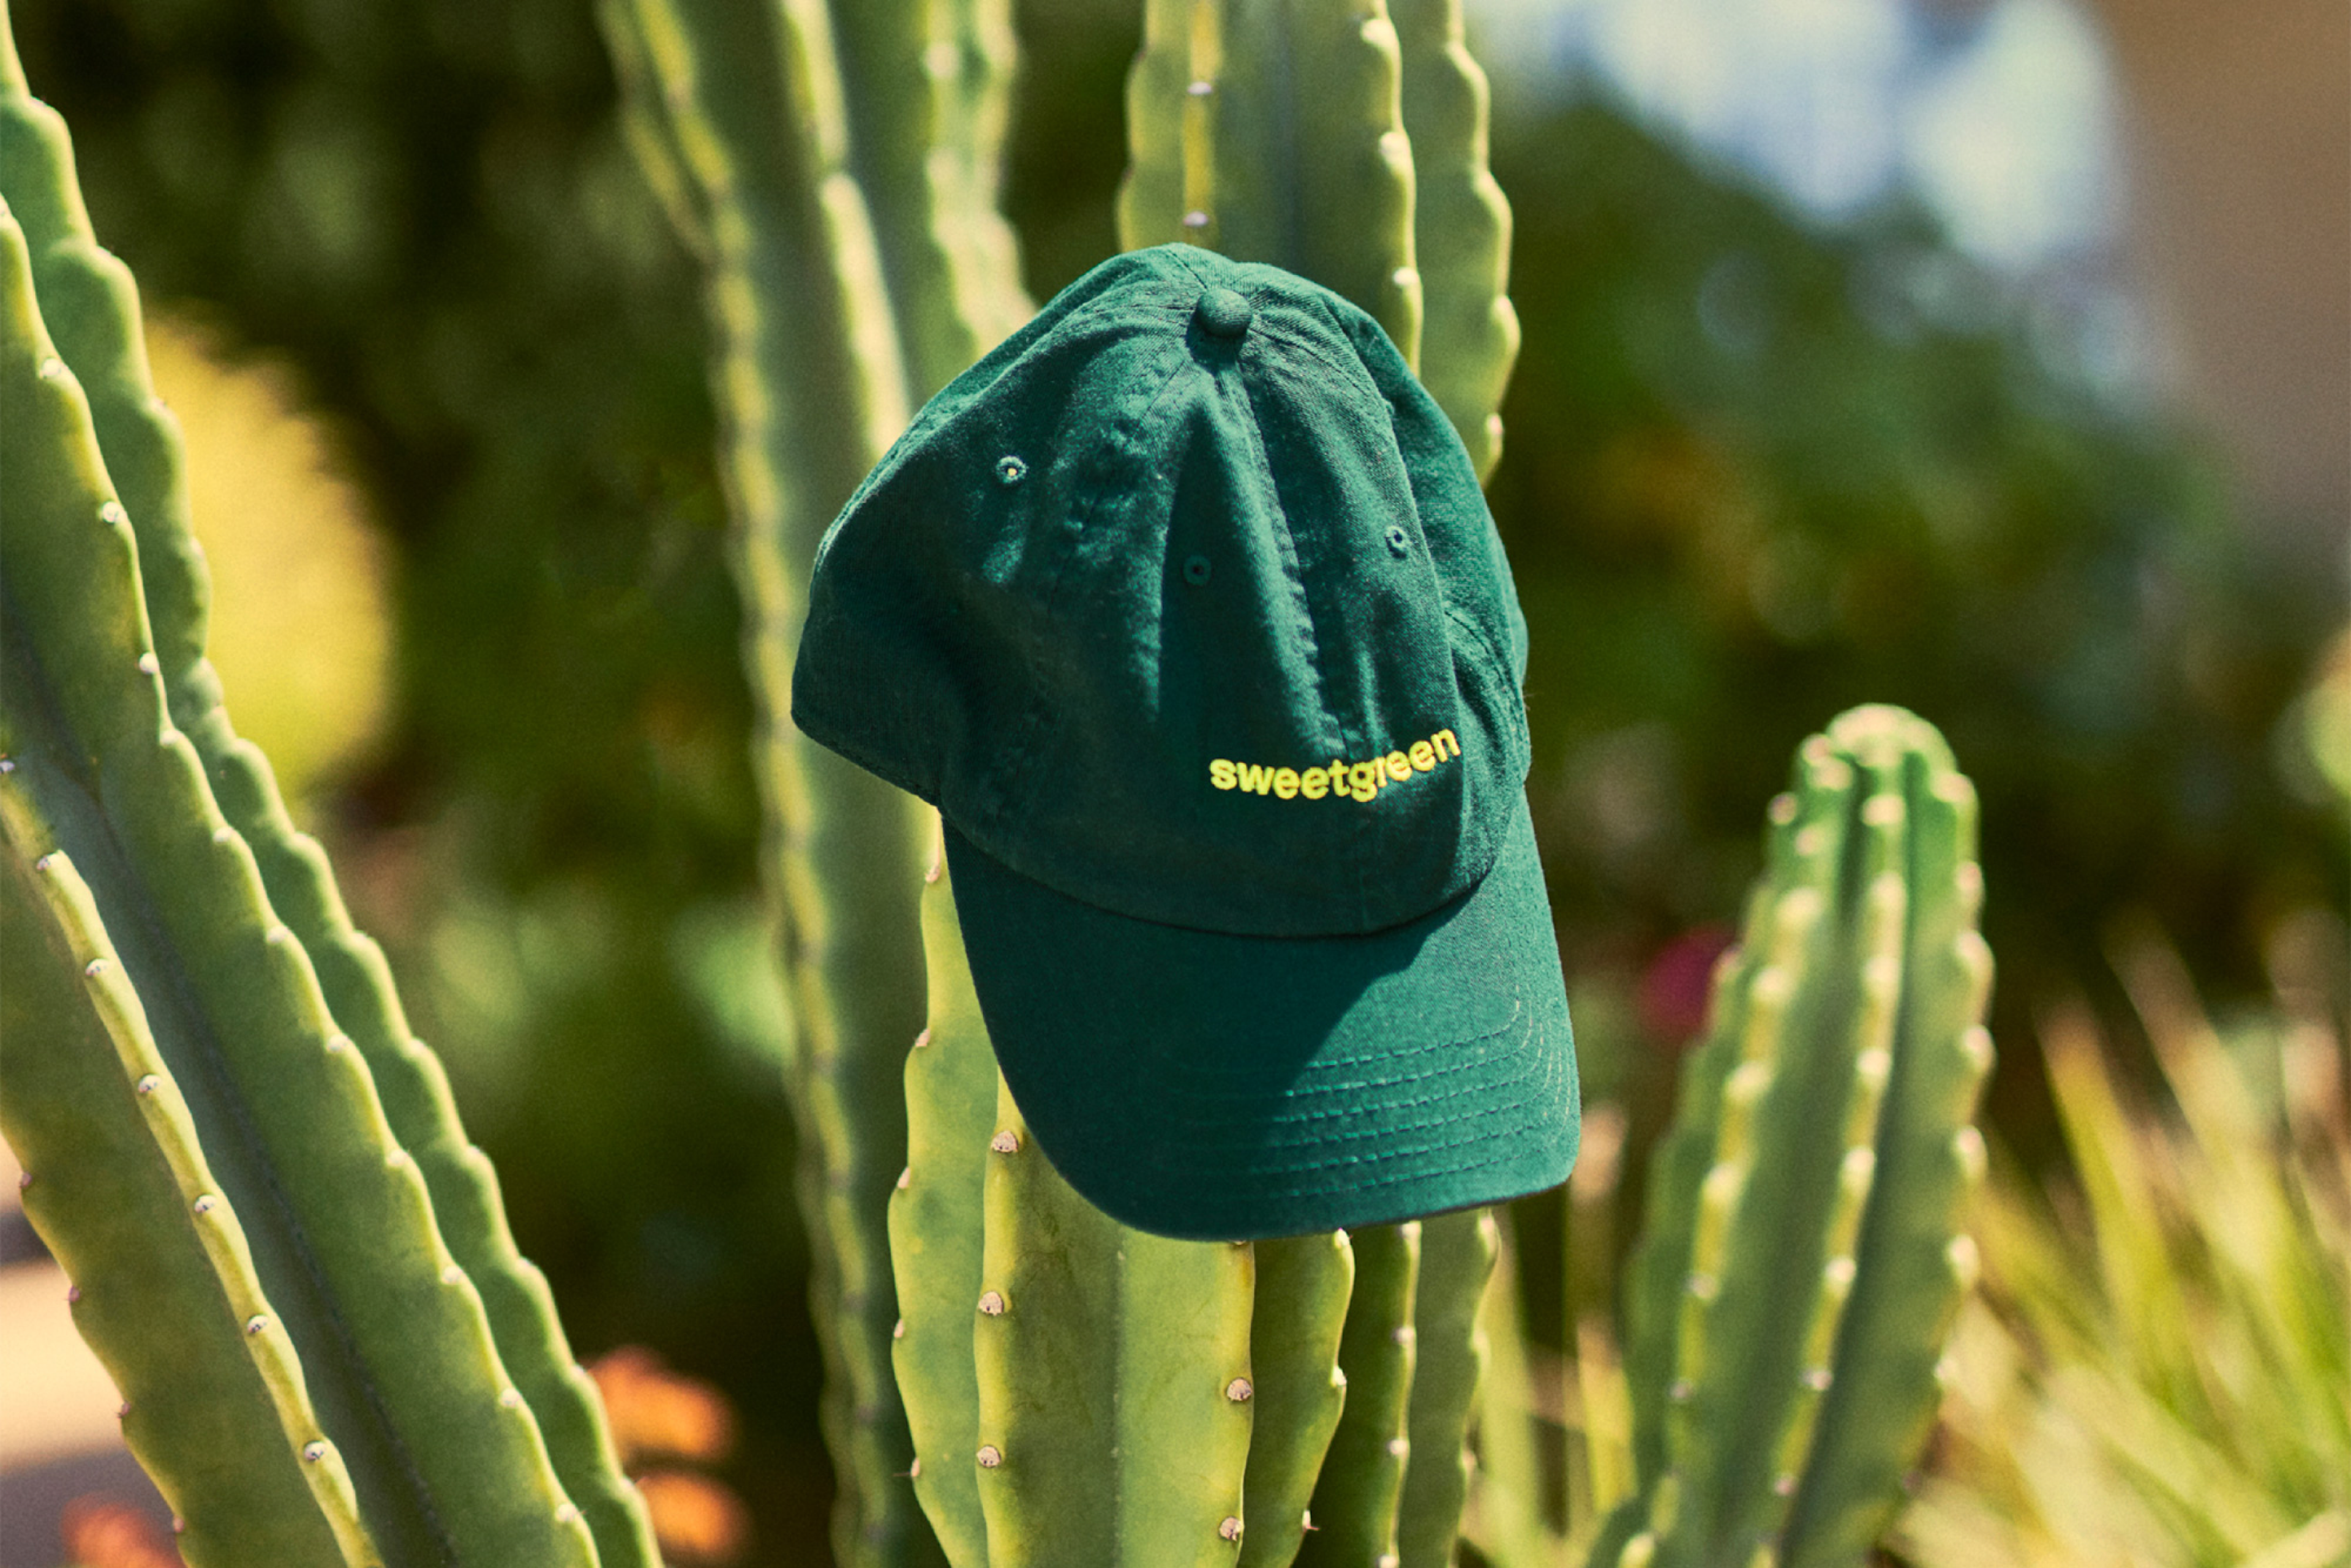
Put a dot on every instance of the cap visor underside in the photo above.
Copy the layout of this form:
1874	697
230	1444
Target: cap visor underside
1215	1087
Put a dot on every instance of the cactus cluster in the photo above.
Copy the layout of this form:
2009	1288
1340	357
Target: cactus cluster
282	1245
834	167
295	1264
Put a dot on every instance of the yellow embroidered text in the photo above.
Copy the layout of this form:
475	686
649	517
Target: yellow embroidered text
1343	780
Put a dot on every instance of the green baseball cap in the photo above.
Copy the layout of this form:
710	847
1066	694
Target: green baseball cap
1185	608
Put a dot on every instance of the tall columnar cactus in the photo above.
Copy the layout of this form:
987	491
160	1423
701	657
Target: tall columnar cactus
1346	141
1801	1259
824	186
232	1141
834	169
1083	1393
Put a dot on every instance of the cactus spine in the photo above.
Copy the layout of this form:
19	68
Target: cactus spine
348	1281
1792	1290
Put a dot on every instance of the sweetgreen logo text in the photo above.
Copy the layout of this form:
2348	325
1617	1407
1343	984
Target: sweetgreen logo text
1344	780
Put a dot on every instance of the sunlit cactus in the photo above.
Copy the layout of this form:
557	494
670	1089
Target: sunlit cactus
1803	1257
282	1245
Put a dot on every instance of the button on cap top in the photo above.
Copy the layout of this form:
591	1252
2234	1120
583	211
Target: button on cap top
1224	313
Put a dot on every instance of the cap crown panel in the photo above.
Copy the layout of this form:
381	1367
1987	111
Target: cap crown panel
1231	648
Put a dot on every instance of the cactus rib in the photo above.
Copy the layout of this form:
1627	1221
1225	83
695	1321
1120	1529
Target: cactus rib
1461	228
1458	1252
118	1185
1303	1283
1356	1499
1275	133
352	1258
923	90
936	1227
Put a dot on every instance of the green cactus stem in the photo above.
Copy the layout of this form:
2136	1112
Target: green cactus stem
1355	1500
740	109
1081	1393
925	89
1917	1263
1274	131
1303	1283
1504	1517
937	1227
91	308
163	1278
1116	1393
396	1352
1461	228
1802	1214
1458	1251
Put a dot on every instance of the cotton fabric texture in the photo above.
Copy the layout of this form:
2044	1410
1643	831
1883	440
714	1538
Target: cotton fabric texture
1185	608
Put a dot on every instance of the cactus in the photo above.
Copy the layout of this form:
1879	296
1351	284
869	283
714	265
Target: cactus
91	308
1080	1392
1457	1253
303	1221
218	1418
1304	1284
1461	229
1275	133
1801	1264
1346	142
1355	1500
834	179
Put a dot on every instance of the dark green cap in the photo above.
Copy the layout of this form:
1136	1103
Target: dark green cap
1185	608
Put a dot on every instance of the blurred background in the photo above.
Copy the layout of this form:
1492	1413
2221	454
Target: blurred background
1990	357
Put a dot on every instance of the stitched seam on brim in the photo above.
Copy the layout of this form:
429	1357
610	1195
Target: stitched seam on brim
1518	1012
1328	1091
1450	1169
1387	1127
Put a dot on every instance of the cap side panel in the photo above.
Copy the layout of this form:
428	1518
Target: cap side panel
926	610
1467	550
1394	669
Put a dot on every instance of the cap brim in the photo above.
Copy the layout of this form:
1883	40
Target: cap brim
1215	1087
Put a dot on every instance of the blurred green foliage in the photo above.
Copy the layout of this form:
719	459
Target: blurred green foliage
1756	473
2159	1370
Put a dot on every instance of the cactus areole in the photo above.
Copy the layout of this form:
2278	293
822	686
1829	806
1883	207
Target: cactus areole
1185	609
